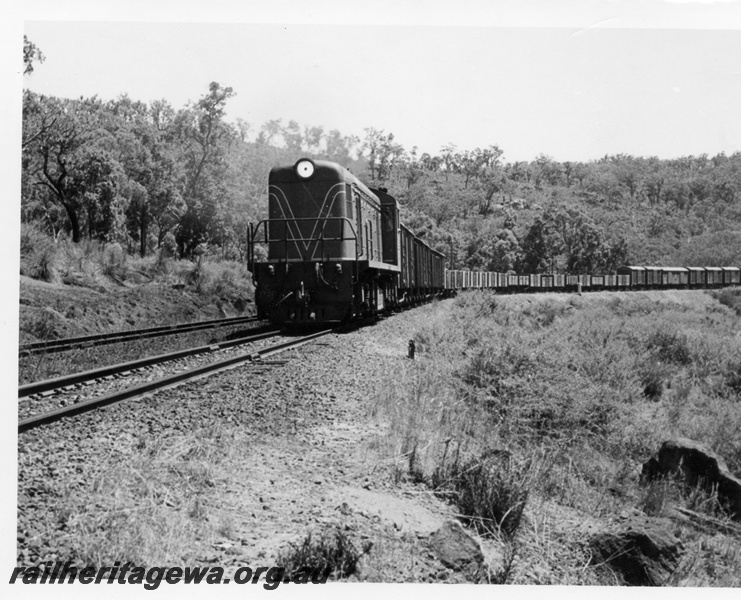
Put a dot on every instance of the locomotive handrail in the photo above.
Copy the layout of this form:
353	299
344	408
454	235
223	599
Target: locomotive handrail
266	239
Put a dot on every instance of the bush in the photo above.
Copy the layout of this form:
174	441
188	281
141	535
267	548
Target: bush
38	254
331	554
497	369
733	377
491	491
730	297
196	274
653	379
670	346
114	262
42	264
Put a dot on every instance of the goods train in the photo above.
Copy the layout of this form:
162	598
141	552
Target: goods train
334	249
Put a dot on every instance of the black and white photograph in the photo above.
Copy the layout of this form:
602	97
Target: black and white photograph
394	292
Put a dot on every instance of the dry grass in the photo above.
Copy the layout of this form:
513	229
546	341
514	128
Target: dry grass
92	263
577	393
149	503
330	553
490	491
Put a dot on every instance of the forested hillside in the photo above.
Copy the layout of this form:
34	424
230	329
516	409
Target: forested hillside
150	175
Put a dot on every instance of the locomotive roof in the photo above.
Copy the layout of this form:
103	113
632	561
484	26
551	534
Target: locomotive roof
325	170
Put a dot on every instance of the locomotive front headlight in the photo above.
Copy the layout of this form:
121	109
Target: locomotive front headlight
304	168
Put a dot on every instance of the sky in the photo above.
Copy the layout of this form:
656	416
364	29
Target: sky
571	79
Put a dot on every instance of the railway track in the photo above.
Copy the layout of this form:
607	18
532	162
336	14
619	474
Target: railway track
147	387
99	339
59	383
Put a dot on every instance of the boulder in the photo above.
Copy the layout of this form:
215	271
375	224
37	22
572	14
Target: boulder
695	464
455	548
640	550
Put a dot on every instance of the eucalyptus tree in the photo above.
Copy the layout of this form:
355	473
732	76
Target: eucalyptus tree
204	139
65	154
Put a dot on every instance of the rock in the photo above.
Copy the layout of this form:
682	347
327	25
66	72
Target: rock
695	464
641	550
455	548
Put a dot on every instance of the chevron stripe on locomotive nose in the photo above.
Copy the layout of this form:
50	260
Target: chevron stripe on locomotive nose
324	211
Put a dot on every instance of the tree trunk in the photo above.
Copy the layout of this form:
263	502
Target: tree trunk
74	221
143	231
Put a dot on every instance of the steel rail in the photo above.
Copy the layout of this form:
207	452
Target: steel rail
151	386
46	385
98	339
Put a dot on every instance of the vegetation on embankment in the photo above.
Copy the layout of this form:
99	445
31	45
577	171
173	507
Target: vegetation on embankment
72	289
534	414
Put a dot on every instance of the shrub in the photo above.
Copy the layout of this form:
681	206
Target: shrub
226	278
497	369
114	262
733	377
653	379
44	326
730	297
330	553
546	312
38	254
196	274
491	491
670	346
42	264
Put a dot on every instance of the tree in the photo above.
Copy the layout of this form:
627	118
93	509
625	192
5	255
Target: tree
413	169
30	54
567	238
95	176
142	141
493	182
474	164
389	154
243	127
339	147
292	136
56	132
269	131
541	246
372	144
546	170
204	137
313	138
449	159
505	254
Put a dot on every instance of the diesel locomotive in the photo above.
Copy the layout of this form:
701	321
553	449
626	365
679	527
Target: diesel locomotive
333	249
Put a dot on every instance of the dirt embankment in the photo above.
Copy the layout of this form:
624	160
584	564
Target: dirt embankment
50	310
